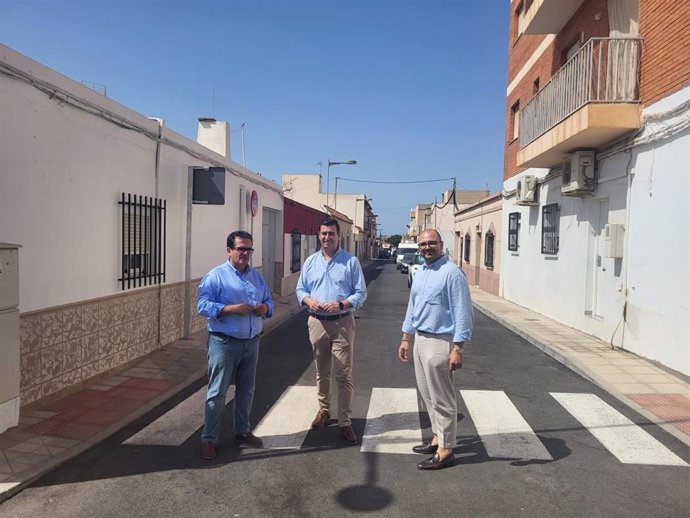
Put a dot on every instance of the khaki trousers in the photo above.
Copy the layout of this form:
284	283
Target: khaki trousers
333	343
435	384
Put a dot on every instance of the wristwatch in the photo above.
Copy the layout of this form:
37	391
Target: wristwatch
342	306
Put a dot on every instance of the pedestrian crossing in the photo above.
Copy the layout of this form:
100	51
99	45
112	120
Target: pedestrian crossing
393	425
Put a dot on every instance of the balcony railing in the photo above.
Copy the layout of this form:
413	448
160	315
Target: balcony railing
604	70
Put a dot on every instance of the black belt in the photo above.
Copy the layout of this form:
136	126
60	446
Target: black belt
226	336
337	316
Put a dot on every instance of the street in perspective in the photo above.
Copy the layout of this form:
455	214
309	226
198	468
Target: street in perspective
418	258
534	438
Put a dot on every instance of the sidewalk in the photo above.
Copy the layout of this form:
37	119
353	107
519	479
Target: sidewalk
657	393
54	432
59	430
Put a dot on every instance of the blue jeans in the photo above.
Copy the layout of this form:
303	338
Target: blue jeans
229	359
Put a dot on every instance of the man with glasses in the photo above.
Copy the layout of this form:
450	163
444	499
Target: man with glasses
234	298
440	316
332	286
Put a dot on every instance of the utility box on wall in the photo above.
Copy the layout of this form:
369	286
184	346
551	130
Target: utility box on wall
613	240
9	336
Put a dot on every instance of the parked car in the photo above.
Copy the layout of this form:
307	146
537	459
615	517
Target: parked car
406	261
405	248
417	263
383	254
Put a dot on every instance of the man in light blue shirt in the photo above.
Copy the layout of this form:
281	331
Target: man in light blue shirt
440	315
234	298
332	286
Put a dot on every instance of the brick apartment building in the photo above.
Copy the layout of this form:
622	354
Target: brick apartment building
597	156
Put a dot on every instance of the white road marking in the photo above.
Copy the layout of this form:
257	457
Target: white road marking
392	421
289	420
178	424
628	442
504	432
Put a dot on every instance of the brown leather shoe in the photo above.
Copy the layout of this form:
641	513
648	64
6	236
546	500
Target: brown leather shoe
208	450
349	435
249	439
322	417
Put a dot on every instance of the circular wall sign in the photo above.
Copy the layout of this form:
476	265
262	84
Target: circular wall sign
254	203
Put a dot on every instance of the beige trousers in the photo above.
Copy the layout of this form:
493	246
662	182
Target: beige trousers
435	384
333	343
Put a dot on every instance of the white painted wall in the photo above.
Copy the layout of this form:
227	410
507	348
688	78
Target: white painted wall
654	271
63	170
657	323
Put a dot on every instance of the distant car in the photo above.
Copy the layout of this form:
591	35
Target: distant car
383	254
406	262
417	263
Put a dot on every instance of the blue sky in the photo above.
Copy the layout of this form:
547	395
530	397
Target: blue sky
411	89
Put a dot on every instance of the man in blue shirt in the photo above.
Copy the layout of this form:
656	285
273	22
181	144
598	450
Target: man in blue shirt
234	298
440	315
332	286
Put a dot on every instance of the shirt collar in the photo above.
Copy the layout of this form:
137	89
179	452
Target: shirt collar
437	263
236	271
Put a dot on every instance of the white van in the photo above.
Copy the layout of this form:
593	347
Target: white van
404	248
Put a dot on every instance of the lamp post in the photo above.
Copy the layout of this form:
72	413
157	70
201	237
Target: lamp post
328	175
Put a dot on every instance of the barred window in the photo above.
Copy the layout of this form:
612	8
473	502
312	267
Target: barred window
142	241
549	229
468	242
489	250
513	230
296	255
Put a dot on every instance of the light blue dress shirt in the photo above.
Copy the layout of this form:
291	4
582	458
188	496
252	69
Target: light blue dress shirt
335	280
227	285
440	302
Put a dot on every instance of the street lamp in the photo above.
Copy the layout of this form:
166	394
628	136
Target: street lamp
328	175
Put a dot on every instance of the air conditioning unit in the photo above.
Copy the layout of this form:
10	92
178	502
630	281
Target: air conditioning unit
578	174
527	190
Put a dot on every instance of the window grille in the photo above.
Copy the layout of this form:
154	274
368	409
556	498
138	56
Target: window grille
513	230
468	242
143	225
296	258
549	229
489	250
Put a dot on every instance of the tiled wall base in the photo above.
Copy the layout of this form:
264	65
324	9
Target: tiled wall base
63	346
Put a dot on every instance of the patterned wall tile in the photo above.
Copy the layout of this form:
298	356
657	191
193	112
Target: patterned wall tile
90	319
30	369
50	386
52	362
89	370
89	348
118	311
105	346
51	328
106	363
30	394
130	334
72	351
30	333
105	315
71	324
72	377
148	328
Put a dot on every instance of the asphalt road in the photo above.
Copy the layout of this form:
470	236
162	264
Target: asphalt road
324	477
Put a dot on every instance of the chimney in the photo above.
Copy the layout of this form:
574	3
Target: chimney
215	135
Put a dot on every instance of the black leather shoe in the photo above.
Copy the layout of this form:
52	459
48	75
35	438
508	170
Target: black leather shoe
435	462
425	448
249	439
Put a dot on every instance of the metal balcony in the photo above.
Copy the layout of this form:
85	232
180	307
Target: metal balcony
592	100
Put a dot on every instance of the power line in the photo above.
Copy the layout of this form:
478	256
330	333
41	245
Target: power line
377	181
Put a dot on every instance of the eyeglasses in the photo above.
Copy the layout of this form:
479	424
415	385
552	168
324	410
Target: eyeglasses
244	250
427	243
